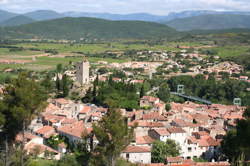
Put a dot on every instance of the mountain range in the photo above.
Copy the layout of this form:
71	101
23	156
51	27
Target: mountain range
79	25
41	15
210	22
85	28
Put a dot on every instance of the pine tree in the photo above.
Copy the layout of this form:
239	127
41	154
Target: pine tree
113	135
142	92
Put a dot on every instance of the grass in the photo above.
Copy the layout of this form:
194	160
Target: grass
41	162
230	51
47	63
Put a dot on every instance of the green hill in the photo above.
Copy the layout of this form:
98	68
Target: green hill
18	20
211	22
89	28
41	15
4	15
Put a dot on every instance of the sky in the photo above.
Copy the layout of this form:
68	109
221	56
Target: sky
158	7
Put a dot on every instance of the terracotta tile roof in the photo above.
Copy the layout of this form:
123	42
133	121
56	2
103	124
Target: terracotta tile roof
142	123
174	159
85	110
45	130
152	116
144	140
175	130
207	141
62	101
68	121
28	136
150	98
162	132
76	129
137	149
97	114
53	118
32	148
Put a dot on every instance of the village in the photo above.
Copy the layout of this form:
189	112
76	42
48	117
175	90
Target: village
197	128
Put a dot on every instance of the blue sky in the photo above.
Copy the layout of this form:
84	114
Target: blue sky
160	7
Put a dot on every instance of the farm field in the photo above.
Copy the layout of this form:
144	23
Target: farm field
68	52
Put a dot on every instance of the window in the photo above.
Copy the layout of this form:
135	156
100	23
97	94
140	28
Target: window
127	155
189	149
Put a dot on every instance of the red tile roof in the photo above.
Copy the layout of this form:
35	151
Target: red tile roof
76	129
45	130
137	149
85	110
162	132
144	140
176	130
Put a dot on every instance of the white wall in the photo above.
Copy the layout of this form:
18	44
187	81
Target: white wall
144	158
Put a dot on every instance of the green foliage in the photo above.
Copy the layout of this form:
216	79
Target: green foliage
116	95
199	159
89	28
164	92
161	150
24	99
113	135
68	160
236	142
216	91
54	141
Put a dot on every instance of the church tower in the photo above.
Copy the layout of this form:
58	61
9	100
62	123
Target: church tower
82	72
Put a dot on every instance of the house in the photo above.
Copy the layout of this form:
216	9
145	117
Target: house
61	102
45	132
84	113
149	101
178	135
73	132
161	134
42	151
144	140
137	154
27	137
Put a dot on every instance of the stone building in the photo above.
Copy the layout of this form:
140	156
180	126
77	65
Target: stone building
82	72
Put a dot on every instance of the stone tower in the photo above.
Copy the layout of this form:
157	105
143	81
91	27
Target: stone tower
82	72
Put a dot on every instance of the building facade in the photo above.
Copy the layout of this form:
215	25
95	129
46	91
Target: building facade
82	72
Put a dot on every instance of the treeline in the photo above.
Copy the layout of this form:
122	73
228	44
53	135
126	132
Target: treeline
236	144
114	94
223	91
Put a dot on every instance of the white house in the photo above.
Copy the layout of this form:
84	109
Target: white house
161	134
137	154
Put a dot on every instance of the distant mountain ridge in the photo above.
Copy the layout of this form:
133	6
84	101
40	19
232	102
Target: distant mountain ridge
17	20
41	15
89	28
211	22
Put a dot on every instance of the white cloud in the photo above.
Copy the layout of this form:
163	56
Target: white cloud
124	6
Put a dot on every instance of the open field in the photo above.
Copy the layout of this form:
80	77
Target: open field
44	62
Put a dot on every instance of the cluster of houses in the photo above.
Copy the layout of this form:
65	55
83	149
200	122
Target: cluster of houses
197	129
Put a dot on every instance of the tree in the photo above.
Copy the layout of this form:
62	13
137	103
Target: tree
142	91
164	92
167	107
22	101
59	68
161	150
236	143
68	160
47	84
65	85
113	135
